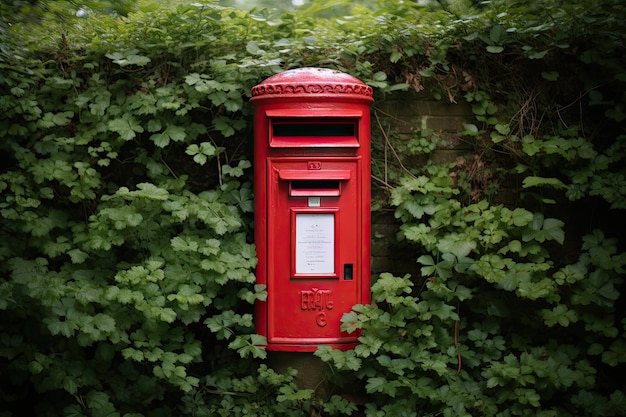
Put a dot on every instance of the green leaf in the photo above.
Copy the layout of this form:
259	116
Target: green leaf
560	315
553	229
380	76
236	171
127	127
175	133
470	129
50	119
78	256
154	125
160	139
201	153
253	48
497	34
532	181
615	354
426	72
457	246
128	58
249	345
522	217
503	129
495	49
350	322
132	353
224	126
73	411
167	315
533	54
426	260
104	323
550	75
375	384
395	56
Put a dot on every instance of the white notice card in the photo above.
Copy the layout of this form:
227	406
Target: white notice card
315	243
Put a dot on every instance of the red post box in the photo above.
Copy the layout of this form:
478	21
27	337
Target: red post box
312	205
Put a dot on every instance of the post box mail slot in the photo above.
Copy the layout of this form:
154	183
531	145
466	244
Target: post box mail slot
324	132
315	183
312	205
301	188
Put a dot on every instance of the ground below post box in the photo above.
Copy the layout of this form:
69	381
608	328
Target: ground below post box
312	371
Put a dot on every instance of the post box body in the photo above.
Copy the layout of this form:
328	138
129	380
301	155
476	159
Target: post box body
312	205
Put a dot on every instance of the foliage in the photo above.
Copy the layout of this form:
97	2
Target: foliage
126	255
125	217
457	343
515	311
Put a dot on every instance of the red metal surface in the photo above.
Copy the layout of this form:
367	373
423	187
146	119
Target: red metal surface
312	205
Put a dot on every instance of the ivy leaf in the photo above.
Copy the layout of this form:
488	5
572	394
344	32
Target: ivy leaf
615	354
426	260
395	56
253	48
497	34
175	133
104	323
532	181
160	139
128	58
247	345
416	209
350	322
463	293
494	49
351	362
550	75
375	384
247	295
458	247
236	171
201	153
154	125
522	217
559	315
220	324
544	229
193	78
553	229
167	315
149	191
180	244
127	127
224	127
470	129
55	119
343	360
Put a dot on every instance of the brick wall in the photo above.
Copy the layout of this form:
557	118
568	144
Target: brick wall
393	124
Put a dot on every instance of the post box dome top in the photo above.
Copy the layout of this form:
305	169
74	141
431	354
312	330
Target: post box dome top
312	82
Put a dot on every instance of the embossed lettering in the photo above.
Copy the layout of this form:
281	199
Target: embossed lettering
320	320
316	300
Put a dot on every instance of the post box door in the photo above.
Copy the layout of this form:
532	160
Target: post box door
314	247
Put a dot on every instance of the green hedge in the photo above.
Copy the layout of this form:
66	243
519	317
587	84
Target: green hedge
126	254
